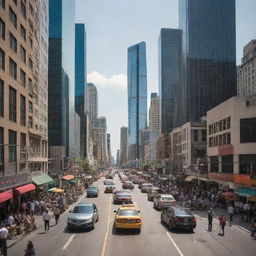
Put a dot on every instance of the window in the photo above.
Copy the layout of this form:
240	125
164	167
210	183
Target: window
30	107
1	98
12	146
15	1
195	135
228	123
12	42
1	149
23	32
12	17
224	124
248	130
247	164
2	29
30	122
30	87
214	163
23	9
22	54
204	135
22	151
30	63
12	104
227	164
228	138
22	110
31	9
2	59
12	69
2	3
22	141
22	78
30	42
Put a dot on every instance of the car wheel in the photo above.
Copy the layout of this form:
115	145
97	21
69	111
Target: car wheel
170	226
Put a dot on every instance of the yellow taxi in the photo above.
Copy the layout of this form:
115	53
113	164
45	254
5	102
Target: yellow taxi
127	217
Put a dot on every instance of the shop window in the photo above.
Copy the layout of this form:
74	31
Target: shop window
248	130
214	164
247	164
227	164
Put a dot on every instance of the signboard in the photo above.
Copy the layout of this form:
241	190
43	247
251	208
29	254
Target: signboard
9	181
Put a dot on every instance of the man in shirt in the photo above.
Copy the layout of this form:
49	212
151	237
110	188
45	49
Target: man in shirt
230	213
46	219
3	238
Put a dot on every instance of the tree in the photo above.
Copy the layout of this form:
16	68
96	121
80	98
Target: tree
84	164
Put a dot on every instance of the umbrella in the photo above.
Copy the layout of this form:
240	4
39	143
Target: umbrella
51	189
58	190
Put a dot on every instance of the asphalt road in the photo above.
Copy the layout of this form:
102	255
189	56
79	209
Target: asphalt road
154	240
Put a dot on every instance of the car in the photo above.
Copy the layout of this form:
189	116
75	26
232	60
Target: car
92	192
84	215
109	176
146	187
140	182
109	189
176	218
122	196
108	182
153	193
163	201
127	217
128	185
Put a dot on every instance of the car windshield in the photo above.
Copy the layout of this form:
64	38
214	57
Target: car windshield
182	212
167	198
128	213
83	209
91	189
108	182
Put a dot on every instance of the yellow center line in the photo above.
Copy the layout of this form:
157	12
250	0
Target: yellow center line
106	235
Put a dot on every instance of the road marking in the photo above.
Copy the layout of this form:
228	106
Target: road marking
106	235
68	242
176	246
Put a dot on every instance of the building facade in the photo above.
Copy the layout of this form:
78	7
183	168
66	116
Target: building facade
137	97
208	57
169	49
123	146
23	91
154	111
246	72
64	123
91	102
80	82
109	148
231	139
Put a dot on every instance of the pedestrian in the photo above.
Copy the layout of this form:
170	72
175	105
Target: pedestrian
253	227
57	214
30	250
210	218
46	219
230	211
3	238
222	220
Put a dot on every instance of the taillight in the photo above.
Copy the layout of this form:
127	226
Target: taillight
121	220
193	219
176	219
138	220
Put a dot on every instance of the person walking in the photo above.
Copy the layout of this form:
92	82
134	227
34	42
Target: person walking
253	227
230	211
46	219
222	221
210	218
30	250
3	238
57	214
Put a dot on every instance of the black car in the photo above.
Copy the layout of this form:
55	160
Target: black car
122	196
176	218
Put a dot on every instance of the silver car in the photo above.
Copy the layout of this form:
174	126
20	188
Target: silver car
163	201
84	215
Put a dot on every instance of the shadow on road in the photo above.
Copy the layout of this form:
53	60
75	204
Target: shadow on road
73	231
177	231
124	232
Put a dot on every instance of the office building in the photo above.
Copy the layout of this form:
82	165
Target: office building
137	97
109	148
246	72
169	47
80	82
91	102
154	112
123	146
208	56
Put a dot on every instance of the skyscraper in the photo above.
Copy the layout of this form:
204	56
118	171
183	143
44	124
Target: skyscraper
154	113
80	82
208	63
169	47
91	102
123	146
64	123
137	97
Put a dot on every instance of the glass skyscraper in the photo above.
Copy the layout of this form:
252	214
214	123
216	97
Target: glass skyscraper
80	81
208	63
169	47
64	123
137	97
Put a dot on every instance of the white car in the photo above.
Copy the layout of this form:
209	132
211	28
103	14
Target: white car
164	201
146	187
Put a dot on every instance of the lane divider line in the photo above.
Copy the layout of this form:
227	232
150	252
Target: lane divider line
106	235
68	242
175	245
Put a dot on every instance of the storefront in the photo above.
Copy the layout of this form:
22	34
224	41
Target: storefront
5	202
42	181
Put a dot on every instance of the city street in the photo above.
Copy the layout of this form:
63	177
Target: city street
154	239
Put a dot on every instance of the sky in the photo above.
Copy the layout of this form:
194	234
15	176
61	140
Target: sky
114	25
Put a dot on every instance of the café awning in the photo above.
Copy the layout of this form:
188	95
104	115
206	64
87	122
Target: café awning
246	192
68	177
4	196
26	188
42	179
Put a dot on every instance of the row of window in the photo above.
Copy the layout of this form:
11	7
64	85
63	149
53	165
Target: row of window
222	125
220	140
13	106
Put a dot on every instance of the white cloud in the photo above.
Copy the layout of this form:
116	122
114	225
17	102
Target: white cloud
118	81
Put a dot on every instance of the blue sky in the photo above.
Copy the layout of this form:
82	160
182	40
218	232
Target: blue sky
114	25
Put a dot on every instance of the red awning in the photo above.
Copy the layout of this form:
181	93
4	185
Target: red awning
25	188
4	196
68	177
